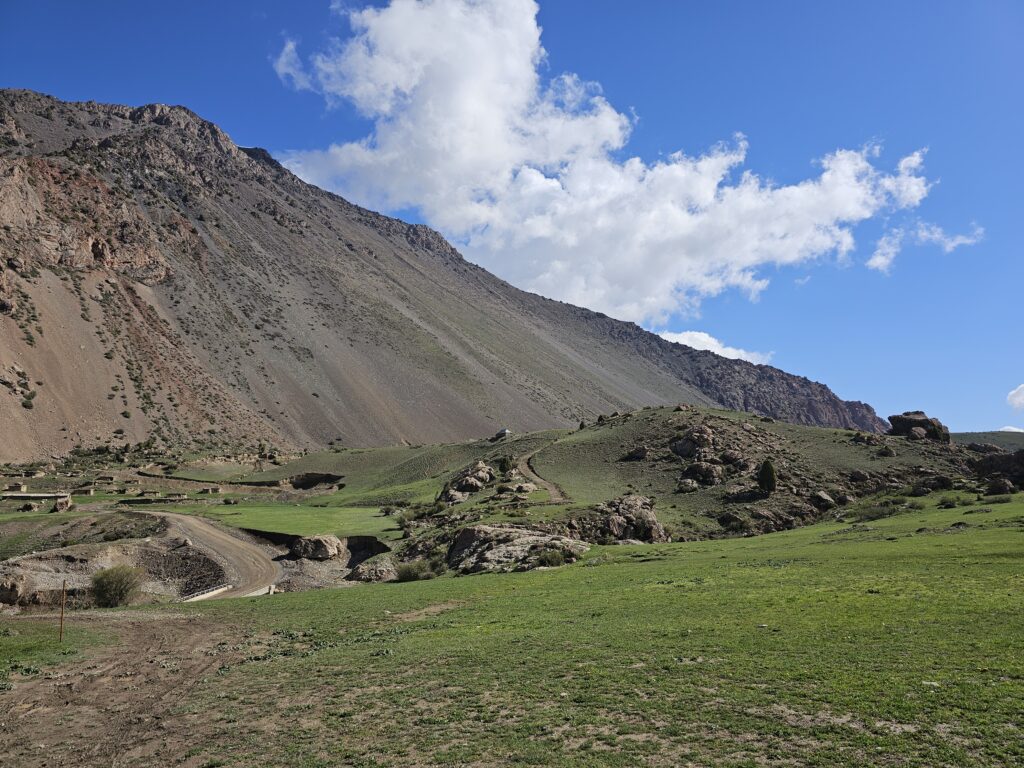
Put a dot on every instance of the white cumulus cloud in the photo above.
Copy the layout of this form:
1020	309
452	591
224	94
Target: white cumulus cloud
1010	429
531	176
701	340
1016	398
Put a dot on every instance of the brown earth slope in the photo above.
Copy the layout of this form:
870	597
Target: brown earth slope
156	280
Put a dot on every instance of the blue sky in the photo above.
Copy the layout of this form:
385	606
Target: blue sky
941	331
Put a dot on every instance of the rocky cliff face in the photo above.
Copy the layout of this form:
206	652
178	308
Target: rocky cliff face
158	281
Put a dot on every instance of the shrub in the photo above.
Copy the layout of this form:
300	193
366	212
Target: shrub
867	514
552	558
917	505
767	480
414	571
948	502
116	586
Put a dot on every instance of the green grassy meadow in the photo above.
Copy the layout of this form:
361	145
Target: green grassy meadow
894	642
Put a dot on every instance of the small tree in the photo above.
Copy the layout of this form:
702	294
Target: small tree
767	480
116	586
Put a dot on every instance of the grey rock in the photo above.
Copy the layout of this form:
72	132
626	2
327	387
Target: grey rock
320	547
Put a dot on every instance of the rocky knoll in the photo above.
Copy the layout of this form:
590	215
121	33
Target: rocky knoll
916	425
501	548
163	283
629	518
1003	471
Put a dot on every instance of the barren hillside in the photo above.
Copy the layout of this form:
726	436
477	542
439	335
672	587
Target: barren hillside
158	281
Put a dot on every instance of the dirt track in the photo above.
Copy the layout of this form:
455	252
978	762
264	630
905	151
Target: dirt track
555	494
115	706
249	567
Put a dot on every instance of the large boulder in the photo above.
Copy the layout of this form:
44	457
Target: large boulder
14	588
376	569
705	473
503	548
320	547
822	501
686	485
697	439
916	425
468	484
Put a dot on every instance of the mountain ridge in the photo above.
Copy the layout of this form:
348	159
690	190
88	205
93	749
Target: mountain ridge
207	292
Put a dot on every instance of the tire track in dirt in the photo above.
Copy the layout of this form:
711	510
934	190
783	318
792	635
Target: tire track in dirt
525	466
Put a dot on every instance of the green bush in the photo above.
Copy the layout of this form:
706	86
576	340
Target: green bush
116	586
414	571
552	558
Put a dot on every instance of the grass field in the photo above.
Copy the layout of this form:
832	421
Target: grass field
893	642
302	520
1010	441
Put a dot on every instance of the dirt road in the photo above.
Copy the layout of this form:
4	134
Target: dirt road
249	567
555	494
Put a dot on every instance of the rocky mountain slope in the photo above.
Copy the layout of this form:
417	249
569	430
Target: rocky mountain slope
158	281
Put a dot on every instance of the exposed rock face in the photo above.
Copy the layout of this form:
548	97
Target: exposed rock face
468	481
245	299
697	439
496	549
630	518
916	425
377	569
1002	465
321	547
705	473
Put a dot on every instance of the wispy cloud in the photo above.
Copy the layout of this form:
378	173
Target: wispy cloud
1016	398
290	69
889	245
529	174
701	340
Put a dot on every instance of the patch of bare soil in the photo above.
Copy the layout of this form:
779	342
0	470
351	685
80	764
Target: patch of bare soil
120	705
430	610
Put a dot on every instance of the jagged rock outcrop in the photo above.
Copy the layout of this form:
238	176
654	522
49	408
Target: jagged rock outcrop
1002	466
916	425
225	302
498	549
469	481
629	518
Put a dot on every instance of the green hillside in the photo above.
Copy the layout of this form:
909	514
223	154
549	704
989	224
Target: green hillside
1010	441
